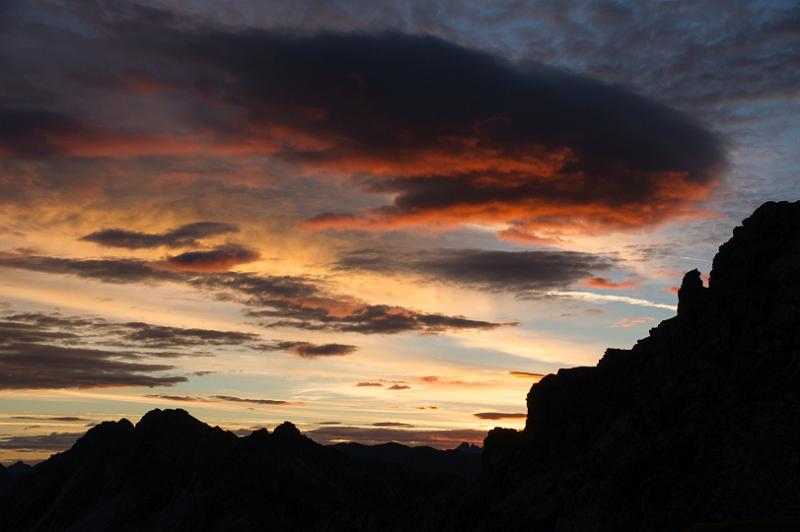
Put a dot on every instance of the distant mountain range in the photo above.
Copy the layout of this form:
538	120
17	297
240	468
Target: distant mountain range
697	427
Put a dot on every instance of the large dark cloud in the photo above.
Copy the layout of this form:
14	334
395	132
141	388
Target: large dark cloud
454	134
460	135
484	269
183	236
697	54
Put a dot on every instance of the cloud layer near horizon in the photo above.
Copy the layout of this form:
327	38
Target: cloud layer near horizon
277	301
516	271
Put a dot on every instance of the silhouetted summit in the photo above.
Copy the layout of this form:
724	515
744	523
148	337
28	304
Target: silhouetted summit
697	423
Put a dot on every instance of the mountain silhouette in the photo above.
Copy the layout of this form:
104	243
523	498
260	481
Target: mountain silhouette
172	472
699	422
464	461
9	475
697	427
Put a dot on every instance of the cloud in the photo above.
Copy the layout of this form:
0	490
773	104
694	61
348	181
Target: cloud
49	350
41	366
626	323
223	398
607	298
106	270
309	350
482	269
286	301
461	136
55	441
180	398
33	132
160	336
443	439
500	415
605	282
399	387
271	402
392	424
298	303
221	258
41	326
50	418
529	145
706	63
183	236
369	384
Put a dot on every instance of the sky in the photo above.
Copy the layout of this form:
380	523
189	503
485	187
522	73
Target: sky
378	220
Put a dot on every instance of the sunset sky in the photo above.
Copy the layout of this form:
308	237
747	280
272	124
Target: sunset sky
378	220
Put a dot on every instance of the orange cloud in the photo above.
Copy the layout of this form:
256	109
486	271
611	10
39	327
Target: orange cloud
605	282
626	323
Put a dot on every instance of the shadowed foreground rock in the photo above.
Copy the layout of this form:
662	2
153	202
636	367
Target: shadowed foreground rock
699	422
697	426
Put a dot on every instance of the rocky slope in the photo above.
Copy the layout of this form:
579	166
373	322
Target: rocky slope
697	424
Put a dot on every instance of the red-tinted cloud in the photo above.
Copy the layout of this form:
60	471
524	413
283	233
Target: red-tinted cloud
607	283
451	134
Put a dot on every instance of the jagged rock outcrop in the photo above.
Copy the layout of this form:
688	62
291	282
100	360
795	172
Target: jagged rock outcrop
699	422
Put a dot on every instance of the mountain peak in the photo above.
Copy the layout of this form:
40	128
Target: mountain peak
468	448
286	431
169	419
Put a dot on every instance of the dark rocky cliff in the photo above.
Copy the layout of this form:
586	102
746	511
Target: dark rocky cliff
699	422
